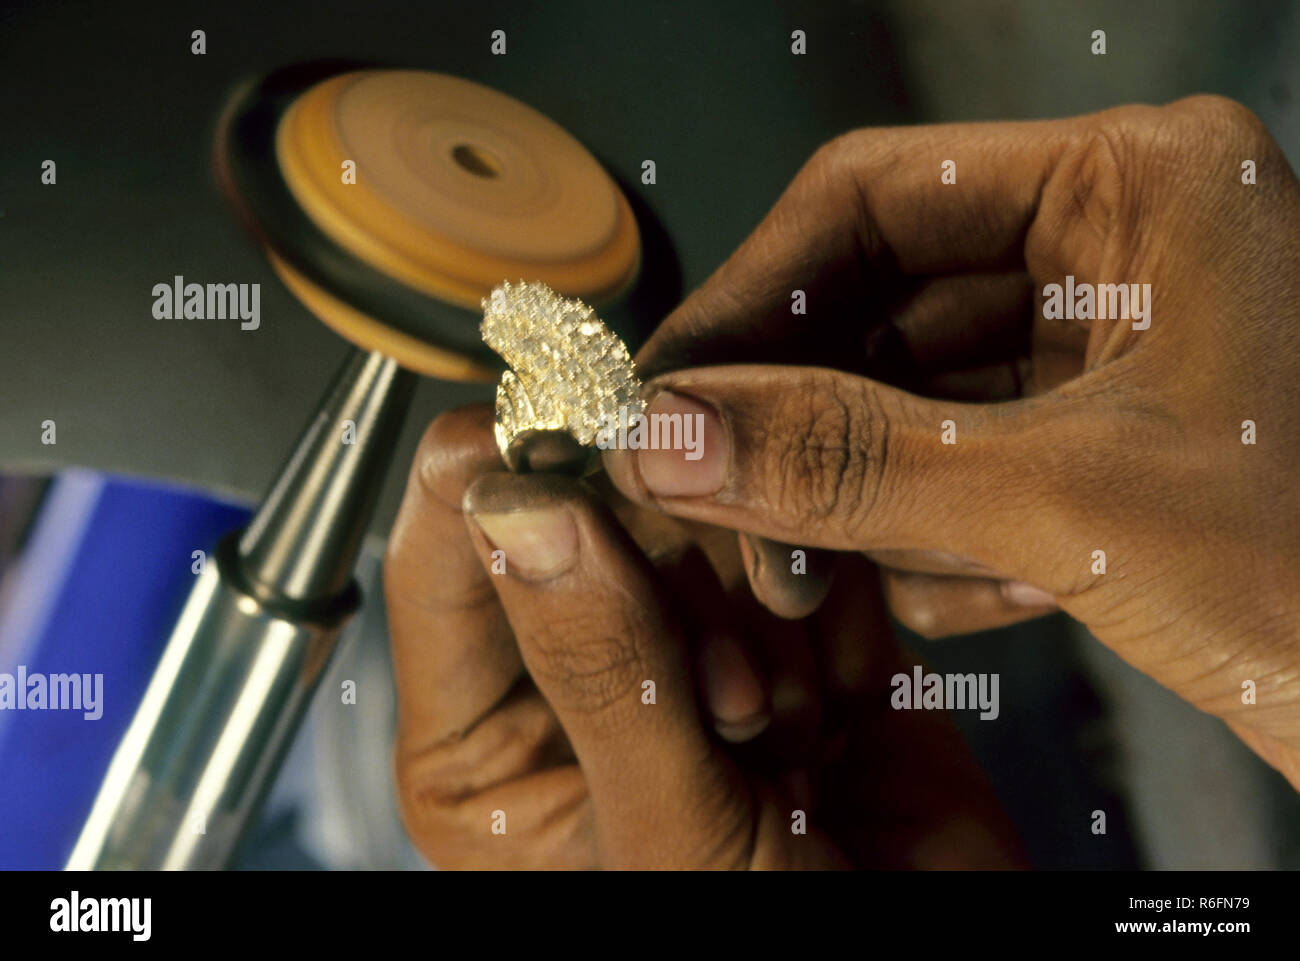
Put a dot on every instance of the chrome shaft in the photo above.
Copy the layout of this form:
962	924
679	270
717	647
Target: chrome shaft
253	640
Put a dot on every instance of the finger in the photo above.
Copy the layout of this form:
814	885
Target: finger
937	607
453	655
855	643
960	321
759	675
516	761
940	325
795	687
936	809
593	629
807	242
855	648
693	561
734	688
866	208
733	685
998	382
789	581
819	457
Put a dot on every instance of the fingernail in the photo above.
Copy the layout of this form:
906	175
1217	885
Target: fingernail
1026	595
696	464
732	689
785	589
739	732
538	544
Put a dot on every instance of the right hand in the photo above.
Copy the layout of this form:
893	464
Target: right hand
1108	438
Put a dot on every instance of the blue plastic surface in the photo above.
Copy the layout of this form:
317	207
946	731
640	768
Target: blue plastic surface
108	566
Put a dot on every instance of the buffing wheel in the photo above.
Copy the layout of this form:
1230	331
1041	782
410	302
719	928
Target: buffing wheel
457	188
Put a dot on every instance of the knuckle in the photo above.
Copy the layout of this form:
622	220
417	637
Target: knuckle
837	182
1223	115
820	459
833	171
430	812
445	780
433	776
434	439
586	661
1124	176
845	155
451	452
429	466
1177	136
834	153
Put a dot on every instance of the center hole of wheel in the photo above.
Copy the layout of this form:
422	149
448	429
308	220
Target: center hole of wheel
476	160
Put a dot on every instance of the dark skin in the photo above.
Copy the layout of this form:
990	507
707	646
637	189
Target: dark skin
522	691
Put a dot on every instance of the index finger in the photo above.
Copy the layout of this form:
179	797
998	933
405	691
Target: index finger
454	655
868	208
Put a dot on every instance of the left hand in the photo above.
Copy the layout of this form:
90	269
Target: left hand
525	692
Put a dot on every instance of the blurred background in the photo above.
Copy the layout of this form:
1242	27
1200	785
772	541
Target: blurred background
168	431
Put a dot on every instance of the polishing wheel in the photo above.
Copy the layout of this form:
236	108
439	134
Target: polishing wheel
390	202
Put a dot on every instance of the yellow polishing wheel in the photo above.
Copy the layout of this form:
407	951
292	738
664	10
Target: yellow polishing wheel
392	201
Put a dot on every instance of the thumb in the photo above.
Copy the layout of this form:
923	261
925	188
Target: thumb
828	459
607	654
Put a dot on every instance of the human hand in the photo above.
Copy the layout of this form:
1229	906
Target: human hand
522	702
1117	444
